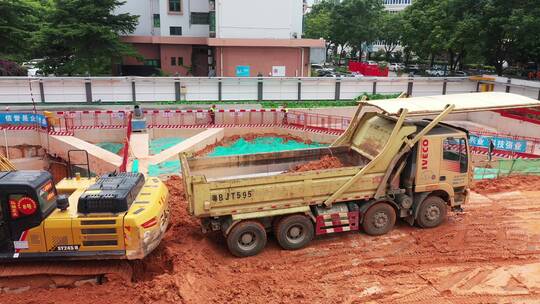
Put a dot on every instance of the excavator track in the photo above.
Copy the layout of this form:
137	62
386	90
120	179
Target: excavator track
22	276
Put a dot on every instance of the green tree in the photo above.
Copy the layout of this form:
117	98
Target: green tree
359	21
445	28
81	36
318	23
18	19
510	31
390	29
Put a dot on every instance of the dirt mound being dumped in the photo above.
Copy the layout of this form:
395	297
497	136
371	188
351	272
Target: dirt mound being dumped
326	162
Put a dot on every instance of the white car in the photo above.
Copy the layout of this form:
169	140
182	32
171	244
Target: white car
436	73
396	66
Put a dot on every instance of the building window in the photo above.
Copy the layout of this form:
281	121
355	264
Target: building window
180	61
173	61
200	18
175	30
152	62
157	22
175	6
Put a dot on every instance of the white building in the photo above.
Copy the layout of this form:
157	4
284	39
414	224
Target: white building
221	37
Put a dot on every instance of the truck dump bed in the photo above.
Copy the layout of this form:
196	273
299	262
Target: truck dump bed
267	164
257	182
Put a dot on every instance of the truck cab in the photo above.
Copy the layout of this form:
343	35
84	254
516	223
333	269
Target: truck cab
443	163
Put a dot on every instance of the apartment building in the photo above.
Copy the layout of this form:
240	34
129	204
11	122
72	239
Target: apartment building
224	38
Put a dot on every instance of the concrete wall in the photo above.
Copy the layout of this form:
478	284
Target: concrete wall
182	133
276	19
72	89
30	163
101	161
176	51
506	125
19	144
147	51
101	135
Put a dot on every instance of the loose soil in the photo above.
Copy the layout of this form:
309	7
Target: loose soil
228	141
488	254
511	183
326	162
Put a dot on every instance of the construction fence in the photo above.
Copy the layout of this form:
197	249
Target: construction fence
506	167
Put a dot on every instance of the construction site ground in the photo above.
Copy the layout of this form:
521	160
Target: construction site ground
488	254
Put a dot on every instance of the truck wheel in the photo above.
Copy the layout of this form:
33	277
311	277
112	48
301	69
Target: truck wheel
246	239
294	231
379	219
432	212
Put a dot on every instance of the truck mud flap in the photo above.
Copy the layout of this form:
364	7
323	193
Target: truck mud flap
337	222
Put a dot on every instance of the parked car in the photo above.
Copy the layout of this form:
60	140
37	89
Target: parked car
459	74
436	73
353	74
396	66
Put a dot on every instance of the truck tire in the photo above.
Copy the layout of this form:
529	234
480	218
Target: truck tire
432	212
379	219
246	238
294	231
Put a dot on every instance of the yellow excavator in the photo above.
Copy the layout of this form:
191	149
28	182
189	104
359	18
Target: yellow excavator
115	216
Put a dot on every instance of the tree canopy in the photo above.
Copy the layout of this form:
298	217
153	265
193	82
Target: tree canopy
459	31
18	20
349	23
80	36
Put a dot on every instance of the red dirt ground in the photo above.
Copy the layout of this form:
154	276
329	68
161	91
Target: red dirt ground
488	254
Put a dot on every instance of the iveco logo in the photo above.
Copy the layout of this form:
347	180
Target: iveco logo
424	154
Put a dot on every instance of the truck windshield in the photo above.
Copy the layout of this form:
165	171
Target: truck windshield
455	150
47	196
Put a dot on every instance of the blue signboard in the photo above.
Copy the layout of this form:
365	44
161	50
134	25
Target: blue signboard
500	143
242	70
8	118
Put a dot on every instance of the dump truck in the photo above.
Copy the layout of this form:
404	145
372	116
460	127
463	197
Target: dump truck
400	161
115	216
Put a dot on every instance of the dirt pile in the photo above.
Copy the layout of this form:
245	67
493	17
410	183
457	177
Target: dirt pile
326	162
511	183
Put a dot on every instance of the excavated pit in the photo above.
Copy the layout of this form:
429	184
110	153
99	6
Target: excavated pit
488	254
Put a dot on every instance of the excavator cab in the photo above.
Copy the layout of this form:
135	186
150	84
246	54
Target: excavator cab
26	199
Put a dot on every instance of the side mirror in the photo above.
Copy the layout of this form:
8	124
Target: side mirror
62	202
